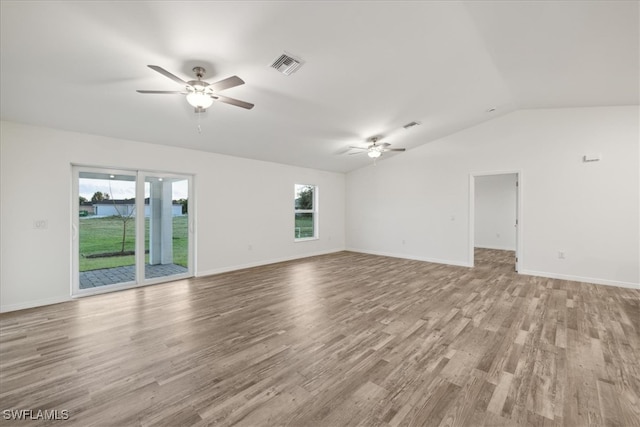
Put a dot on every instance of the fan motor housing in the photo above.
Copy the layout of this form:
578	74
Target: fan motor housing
198	85
200	72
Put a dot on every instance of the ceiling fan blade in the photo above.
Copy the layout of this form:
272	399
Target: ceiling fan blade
383	144
394	149
232	101
168	74
358	148
359	152
226	83
162	91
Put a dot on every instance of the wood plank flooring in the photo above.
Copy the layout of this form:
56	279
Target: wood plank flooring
335	340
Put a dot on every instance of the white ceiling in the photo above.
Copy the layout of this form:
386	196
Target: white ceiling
371	67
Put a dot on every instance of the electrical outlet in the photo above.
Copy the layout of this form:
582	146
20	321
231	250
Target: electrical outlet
40	224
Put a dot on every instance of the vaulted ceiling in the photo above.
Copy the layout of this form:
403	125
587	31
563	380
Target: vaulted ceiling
370	68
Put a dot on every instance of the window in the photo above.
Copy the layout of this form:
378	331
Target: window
306	212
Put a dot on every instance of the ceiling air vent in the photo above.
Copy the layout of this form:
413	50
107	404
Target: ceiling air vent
410	125
287	64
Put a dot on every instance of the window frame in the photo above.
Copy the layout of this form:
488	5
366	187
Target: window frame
313	212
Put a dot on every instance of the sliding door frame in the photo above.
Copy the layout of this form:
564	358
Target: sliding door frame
140	230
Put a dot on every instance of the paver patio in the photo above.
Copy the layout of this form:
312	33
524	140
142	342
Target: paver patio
110	276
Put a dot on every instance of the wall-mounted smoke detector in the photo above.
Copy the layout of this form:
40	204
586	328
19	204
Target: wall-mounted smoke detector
287	64
410	125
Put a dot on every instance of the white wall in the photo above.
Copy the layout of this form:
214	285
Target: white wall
416	204
495	212
239	202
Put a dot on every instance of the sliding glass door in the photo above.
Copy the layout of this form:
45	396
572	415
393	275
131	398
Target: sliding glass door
130	228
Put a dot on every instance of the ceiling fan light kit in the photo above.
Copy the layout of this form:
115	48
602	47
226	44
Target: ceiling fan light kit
374	153
199	100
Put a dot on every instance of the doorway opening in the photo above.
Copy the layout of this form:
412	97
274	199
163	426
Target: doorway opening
495	223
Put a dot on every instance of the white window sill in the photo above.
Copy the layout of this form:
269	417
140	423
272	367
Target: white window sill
305	239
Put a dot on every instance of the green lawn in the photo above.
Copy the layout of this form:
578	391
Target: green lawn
104	235
304	225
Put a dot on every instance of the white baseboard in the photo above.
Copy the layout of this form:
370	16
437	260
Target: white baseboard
591	280
524	272
32	304
412	257
56	300
263	262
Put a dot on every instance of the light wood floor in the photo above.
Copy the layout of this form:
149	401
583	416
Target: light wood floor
341	339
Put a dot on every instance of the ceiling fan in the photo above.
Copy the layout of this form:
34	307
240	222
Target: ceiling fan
200	94
375	149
